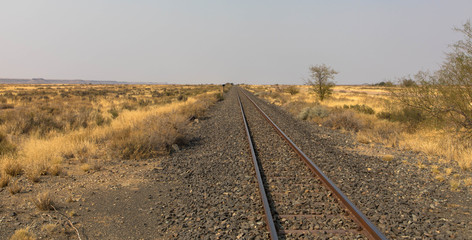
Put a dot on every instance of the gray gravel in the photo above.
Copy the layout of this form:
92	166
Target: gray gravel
218	183
398	197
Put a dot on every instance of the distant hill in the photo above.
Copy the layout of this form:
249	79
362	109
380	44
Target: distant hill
63	81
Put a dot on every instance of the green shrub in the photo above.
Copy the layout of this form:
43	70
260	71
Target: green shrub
360	108
411	117
317	111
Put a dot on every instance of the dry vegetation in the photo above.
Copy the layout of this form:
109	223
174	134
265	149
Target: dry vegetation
43	127
373	115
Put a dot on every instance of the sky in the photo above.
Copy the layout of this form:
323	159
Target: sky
219	41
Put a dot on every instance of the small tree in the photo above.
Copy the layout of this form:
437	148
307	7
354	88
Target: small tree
320	80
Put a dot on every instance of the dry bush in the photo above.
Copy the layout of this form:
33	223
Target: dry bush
346	120
23	234
153	136
381	131
6	147
4	180
55	170
33	175
85	167
292	90
44	202
50	228
14	188
11	166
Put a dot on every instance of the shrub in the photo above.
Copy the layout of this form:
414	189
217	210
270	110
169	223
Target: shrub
11	167
360	108
14	188
346	120
114	113
411	117
317	111
182	98
4	180
23	234
152	137
6	147
219	97
44	202
293	90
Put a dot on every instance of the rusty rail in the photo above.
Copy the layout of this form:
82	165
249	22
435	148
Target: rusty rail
369	229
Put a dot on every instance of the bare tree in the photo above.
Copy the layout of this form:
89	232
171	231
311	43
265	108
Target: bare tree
446	94
320	80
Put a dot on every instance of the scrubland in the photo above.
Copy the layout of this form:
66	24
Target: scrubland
373	116
43	127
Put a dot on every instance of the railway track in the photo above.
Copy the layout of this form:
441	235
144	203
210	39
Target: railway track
299	200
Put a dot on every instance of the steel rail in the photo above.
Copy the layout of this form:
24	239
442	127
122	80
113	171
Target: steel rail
269	219
372	231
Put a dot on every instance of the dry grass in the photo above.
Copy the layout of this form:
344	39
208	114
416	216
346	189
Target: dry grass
85	167
387	157
43	201
454	184
10	166
468	182
14	188
4	181
50	228
89	124
23	234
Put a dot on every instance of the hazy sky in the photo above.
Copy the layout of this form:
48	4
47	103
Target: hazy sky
257	42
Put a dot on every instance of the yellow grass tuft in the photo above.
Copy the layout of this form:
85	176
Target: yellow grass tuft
14	188
23	234
468	182
4	180
11	166
85	167
43	201
388	157
455	184
440	178
55	170
49	228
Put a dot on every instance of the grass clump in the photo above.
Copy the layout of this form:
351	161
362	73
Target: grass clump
315	112
4	180
23	234
152	137
6	147
360	108
388	157
44	202
346	120
292	90
14	188
11	166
